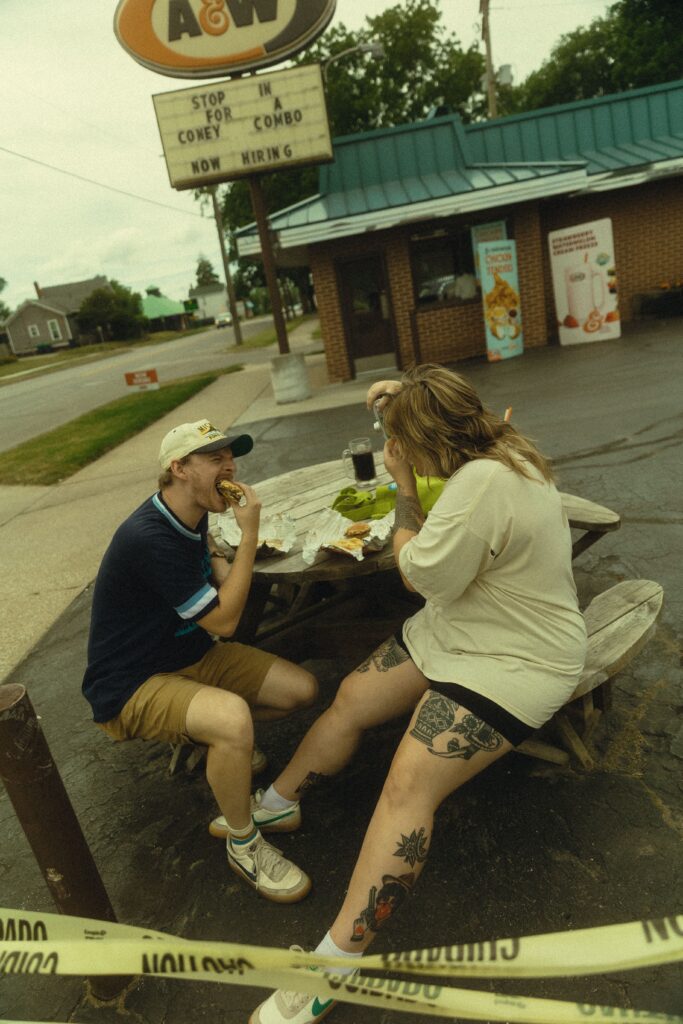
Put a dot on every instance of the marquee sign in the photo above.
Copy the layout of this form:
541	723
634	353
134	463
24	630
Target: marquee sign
249	125
206	38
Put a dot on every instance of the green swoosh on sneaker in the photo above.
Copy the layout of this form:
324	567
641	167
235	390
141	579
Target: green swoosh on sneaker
274	817
317	1008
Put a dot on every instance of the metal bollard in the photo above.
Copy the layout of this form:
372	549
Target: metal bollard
45	813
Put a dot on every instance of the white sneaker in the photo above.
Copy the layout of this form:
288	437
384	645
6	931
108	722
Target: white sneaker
283	1007
287	820
264	868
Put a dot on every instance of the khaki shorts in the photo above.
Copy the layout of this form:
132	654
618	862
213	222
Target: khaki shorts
158	708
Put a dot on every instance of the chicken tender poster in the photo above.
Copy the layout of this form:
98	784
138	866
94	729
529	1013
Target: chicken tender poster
500	296
585	282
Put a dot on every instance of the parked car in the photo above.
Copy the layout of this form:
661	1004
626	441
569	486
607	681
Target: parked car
223	320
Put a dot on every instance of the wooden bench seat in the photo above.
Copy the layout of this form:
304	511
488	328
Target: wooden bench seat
619	623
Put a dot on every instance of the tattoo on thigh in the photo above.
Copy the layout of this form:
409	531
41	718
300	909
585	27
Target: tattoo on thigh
312	779
387	656
444	737
382	904
413	848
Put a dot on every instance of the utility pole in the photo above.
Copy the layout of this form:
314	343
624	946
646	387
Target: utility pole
490	76
226	268
261	215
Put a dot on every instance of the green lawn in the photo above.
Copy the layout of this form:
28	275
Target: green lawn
60	453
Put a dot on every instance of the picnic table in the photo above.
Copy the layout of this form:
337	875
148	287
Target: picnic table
619	622
286	581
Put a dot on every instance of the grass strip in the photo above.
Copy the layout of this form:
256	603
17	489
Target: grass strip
60	453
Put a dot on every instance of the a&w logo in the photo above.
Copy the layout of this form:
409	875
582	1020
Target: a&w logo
202	38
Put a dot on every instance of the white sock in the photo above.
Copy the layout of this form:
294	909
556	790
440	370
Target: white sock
241	837
328	947
272	801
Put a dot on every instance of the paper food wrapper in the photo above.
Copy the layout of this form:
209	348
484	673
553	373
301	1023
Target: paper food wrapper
331	526
277	533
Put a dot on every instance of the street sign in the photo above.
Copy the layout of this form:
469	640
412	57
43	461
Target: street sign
142	380
228	130
190	305
209	38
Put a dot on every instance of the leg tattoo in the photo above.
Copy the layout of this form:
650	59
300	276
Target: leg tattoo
413	848
436	723
382	904
387	656
312	779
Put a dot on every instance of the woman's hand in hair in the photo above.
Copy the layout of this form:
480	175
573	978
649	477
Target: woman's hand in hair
381	390
399	467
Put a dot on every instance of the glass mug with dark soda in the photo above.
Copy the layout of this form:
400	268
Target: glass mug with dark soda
360	455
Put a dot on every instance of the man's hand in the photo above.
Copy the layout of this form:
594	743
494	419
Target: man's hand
381	390
248	515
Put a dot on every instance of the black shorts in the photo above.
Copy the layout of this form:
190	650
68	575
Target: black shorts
509	727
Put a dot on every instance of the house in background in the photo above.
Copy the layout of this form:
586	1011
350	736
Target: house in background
50	319
163	313
212	299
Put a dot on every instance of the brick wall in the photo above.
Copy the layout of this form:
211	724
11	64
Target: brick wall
648	226
647	222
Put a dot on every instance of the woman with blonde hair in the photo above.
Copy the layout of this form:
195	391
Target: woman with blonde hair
497	648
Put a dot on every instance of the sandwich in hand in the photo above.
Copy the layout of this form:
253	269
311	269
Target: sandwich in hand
230	490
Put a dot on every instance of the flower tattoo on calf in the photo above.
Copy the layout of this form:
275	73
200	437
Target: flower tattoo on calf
387	656
413	848
444	737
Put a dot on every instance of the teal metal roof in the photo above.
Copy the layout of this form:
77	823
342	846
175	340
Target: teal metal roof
425	165
156	306
617	132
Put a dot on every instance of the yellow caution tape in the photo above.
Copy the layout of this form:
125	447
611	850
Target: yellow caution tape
33	943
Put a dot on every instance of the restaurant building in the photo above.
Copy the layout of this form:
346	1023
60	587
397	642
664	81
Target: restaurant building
389	235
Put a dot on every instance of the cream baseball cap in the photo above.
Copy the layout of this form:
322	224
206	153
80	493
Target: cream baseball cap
197	438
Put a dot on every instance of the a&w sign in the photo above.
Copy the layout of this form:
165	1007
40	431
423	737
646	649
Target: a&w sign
203	38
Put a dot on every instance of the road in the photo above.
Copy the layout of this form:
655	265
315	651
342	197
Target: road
36	404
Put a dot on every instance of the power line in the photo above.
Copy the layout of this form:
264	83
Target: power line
99	184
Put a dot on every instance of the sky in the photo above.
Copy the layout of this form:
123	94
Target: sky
76	115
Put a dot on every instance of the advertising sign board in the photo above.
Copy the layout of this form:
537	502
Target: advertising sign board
494	231
585	282
142	380
245	126
500	297
207	38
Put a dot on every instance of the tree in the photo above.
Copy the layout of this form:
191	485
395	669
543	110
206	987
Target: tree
116	309
205	272
638	43
4	309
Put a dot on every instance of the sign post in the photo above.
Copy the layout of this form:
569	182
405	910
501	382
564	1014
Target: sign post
244	127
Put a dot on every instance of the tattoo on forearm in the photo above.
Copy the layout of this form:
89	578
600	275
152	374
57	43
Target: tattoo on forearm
387	656
382	904
312	779
413	848
408	514
444	737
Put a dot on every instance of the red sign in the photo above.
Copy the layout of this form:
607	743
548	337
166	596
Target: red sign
143	380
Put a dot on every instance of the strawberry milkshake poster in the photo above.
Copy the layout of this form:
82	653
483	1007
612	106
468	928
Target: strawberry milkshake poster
585	282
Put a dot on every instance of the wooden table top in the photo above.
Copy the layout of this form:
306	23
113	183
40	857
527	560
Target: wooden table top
304	493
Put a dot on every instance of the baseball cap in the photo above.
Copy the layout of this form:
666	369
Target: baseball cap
198	438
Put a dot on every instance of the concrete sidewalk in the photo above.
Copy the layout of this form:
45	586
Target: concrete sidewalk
53	538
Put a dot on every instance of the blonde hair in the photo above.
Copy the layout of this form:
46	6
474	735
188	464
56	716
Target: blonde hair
439	420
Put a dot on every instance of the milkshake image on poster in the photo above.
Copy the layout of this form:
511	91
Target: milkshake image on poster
585	282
